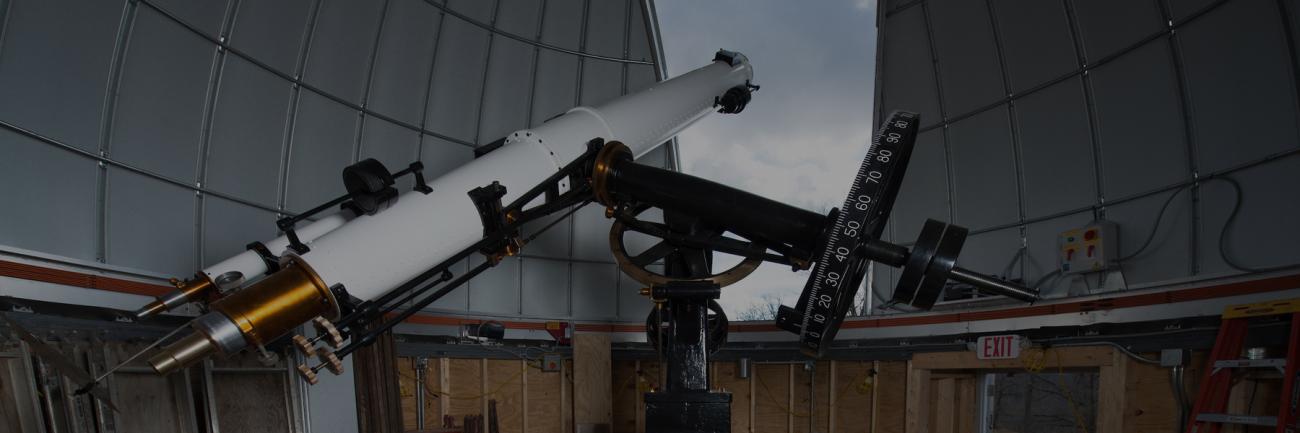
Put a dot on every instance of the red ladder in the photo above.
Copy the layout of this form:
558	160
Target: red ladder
1208	413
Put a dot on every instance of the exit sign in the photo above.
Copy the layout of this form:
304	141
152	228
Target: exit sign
998	347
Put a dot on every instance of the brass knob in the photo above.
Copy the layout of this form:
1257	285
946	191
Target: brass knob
330	334
304	346
331	361
307	374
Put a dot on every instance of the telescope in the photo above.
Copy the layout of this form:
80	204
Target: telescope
357	273
346	271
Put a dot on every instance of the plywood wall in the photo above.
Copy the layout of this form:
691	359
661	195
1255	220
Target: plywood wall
834	396
528	399
593	406
776	398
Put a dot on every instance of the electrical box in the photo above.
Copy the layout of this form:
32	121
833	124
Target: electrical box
1090	248
1174	357
552	362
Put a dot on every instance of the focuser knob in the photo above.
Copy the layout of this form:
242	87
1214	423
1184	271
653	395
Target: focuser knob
308	374
330	360
327	331
304	346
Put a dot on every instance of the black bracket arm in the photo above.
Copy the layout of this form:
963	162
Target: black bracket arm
270	260
286	226
487	201
369	186
416	168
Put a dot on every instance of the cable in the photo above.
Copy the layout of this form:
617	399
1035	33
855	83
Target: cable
1155	228
426	389
1180	395
86	388
1223	232
1038	285
1227	225
1020	254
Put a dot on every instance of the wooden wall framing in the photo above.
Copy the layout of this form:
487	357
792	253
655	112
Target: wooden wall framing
528	399
899	397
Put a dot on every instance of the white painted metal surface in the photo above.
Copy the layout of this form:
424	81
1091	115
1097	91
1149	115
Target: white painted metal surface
251	266
373	254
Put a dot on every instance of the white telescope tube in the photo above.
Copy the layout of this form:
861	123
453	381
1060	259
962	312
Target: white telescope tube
373	254
251	265
245	266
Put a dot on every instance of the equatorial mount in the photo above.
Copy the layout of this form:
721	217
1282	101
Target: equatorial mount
703	217
838	246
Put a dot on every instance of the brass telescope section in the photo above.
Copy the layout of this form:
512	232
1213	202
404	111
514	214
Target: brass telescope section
278	303
254	316
199	286
189	350
613	151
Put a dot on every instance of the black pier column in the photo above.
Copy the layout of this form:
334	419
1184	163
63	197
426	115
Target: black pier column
685	403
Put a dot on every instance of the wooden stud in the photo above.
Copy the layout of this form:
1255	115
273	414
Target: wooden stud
831	386
875	393
406	369
753	371
917	412
443	389
640	398
1111	393
789	402
566	404
483	388
592	387
966	407
944	405
819	398
523	392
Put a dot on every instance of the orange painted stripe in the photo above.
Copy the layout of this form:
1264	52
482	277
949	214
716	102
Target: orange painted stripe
752	327
77	279
1286	282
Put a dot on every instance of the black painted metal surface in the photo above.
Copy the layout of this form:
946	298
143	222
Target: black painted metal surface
694	412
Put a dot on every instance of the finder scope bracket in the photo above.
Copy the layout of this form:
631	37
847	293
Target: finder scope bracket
369	188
